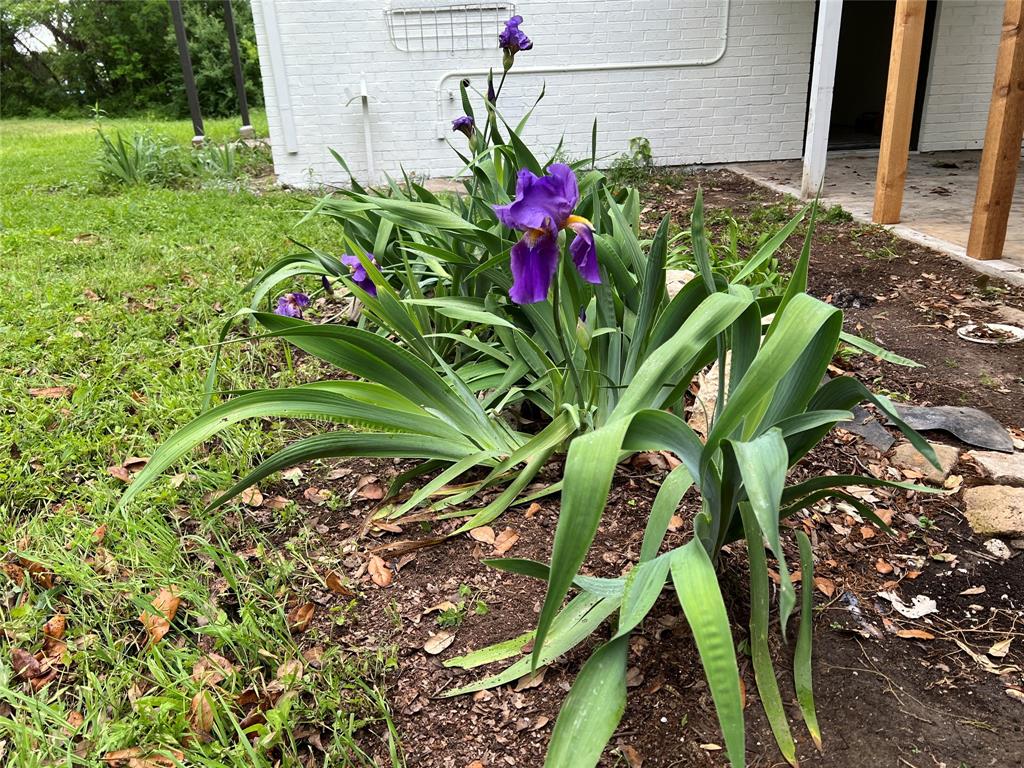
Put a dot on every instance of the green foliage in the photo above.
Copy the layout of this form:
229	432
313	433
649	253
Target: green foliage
633	167
147	159
444	368
60	56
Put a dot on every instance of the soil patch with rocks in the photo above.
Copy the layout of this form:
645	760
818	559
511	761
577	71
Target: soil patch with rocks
943	689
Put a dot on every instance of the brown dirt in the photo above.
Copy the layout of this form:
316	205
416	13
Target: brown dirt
882	699
903	296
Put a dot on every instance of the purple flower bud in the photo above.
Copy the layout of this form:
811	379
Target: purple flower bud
464	124
292	304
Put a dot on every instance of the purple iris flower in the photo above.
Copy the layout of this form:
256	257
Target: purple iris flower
292	304
512	40
359	274
542	207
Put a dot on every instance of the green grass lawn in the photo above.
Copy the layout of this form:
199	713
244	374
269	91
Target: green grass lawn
110	300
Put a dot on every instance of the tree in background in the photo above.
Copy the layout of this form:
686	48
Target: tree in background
64	56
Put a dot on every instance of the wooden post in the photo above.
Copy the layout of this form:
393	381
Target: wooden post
1001	153
904	61
819	111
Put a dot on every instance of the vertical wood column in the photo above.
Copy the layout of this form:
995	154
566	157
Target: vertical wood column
904	62
819	113
1003	134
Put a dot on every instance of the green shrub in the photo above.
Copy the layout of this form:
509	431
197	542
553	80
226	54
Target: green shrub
633	167
443	367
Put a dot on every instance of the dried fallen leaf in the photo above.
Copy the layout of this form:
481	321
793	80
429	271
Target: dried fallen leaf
336	583
883	567
200	716
25	664
252	497
212	669
438	643
915	634
165	604
144	757
826	586
314	495
633	757
483	534
39	573
675	523
120	473
276	502
368	488
379	571
504	541
1001	649
50	393
867	532
289	672
54	628
300	617
100	533
14	573
338	473
531	680
135	463
383	525
974	590
75	721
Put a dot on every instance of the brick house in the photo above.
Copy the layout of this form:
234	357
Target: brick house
705	81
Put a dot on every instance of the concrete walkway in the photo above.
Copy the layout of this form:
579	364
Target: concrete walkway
937	202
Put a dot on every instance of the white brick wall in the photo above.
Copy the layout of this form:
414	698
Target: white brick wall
749	105
963	64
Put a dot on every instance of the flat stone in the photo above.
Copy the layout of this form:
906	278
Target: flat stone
703	409
995	510
908	457
675	279
868	427
969	424
1001	468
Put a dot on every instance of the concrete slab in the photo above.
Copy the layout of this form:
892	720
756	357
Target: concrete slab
937	202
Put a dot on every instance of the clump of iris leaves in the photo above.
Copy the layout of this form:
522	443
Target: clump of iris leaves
445	368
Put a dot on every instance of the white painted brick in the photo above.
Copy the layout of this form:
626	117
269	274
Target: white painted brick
749	105
963	63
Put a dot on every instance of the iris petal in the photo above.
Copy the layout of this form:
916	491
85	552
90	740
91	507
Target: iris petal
534	261
584	253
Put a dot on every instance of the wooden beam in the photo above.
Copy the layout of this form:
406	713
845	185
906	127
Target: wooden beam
819	111
1001	153
904	61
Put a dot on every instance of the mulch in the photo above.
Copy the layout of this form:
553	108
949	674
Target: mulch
890	691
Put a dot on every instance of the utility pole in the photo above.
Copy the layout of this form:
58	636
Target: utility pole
186	71
246	131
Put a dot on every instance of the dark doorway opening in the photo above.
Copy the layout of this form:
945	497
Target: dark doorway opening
862	68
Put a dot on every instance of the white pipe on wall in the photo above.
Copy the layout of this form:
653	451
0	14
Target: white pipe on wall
723	37
277	68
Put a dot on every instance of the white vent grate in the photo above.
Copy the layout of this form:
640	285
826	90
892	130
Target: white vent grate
447	28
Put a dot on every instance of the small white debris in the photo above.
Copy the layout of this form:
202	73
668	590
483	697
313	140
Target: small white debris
998	548
919	606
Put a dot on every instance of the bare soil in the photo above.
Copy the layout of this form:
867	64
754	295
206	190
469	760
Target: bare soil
890	691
